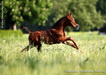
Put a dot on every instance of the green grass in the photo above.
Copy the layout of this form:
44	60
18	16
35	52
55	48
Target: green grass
10	33
57	59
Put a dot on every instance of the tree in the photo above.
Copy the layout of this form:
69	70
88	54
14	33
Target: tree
101	7
86	14
58	10
18	11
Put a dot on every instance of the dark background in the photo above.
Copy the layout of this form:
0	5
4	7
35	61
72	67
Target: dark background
42	14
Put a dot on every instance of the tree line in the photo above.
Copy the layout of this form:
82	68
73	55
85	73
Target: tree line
42	14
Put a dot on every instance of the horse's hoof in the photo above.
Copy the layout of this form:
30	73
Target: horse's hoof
80	51
22	51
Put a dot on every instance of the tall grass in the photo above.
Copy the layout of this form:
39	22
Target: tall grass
10	33
57	59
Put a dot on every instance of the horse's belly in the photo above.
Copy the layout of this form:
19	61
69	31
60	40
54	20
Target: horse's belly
48	40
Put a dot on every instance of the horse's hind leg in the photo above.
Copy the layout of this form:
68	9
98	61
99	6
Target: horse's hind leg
27	48
39	47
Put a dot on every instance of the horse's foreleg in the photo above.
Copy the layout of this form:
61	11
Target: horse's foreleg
70	44
73	45
74	42
65	39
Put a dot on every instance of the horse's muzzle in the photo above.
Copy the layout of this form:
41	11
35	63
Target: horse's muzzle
77	27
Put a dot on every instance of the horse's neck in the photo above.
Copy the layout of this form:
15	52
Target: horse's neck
59	25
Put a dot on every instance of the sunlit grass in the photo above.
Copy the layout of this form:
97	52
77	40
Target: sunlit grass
57	59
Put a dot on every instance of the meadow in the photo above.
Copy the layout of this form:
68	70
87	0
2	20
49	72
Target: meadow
56	59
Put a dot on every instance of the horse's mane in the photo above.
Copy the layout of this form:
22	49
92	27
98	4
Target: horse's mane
57	23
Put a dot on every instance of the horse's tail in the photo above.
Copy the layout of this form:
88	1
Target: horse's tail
27	29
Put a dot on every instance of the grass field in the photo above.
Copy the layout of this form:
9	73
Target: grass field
57	59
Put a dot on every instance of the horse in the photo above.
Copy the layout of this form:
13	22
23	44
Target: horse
54	35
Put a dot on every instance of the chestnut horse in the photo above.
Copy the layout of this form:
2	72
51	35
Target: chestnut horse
54	35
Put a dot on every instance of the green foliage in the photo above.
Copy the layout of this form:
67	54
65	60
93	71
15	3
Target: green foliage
84	11
13	8
88	14
58	10
57	59
101	6
35	11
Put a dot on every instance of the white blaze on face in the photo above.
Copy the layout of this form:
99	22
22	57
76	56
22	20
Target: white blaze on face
74	23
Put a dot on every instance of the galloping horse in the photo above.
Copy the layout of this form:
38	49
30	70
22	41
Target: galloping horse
54	35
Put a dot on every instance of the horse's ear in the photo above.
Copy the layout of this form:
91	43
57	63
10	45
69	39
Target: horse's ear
68	13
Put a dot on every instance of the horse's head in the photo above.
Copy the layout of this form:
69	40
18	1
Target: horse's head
71	22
